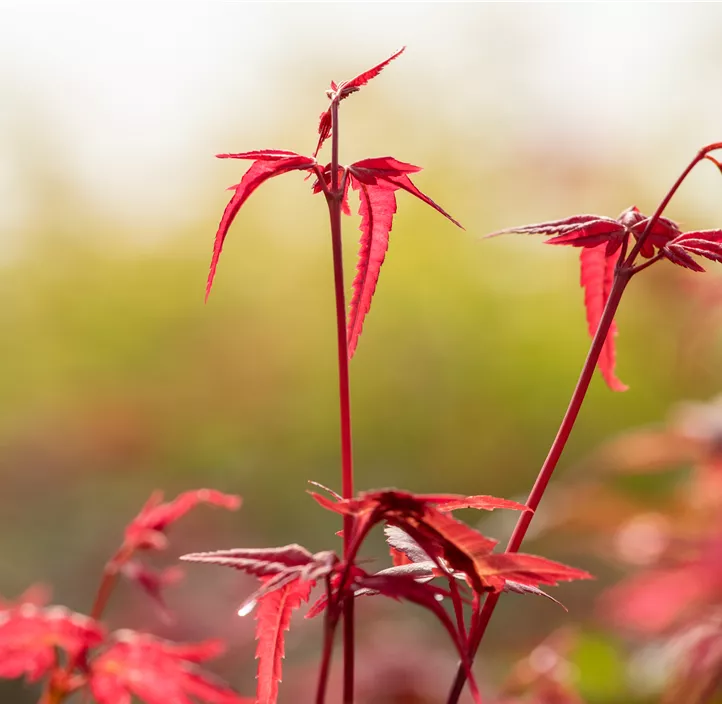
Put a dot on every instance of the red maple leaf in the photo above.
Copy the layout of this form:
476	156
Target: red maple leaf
157	672
153	582
29	636
273	617
375	180
338	92
597	275
287	576
147	530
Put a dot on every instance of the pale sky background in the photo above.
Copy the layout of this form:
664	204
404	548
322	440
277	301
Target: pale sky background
137	97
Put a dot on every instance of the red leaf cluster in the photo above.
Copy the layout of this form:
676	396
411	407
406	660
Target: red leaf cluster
147	530
338	92
376	180
602	239
287	576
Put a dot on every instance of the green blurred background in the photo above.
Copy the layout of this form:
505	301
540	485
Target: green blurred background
116	379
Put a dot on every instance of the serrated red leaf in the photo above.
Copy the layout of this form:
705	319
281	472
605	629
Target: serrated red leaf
363	78
343	90
704	243
485	503
273	620
527	570
376	179
389	172
257	561
677	255
262	155
597	274
266	166
377	208
562	227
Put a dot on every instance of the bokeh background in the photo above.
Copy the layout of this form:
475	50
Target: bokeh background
116	379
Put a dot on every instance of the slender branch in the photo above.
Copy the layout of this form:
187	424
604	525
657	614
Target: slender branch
700	156
334	200
480	622
329	631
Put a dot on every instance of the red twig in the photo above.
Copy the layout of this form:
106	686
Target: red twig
334	199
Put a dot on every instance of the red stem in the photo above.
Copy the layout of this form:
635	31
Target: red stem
622	275
700	156
330	623
334	206
480	621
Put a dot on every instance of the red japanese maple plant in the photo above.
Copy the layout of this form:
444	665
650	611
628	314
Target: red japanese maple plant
425	540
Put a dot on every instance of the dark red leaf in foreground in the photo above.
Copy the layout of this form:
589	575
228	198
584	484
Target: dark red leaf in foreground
273	617
376	180
157	672
343	90
29	636
267	163
146	530
597	275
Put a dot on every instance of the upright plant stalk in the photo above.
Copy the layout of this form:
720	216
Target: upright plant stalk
481	621
624	272
334	199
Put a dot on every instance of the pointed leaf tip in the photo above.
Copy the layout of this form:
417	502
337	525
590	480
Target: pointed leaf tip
267	164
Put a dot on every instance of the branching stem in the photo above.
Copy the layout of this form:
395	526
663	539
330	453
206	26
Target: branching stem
623	273
334	200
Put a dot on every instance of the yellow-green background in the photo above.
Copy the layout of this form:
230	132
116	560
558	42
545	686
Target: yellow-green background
116	379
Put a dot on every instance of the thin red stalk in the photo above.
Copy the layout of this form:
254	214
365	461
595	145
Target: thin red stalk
329	631
480	621
334	207
700	156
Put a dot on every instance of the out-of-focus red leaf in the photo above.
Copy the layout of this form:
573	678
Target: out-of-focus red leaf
653	602
597	275
157	672
273	620
35	595
267	164
29	636
145	531
153	582
343	90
